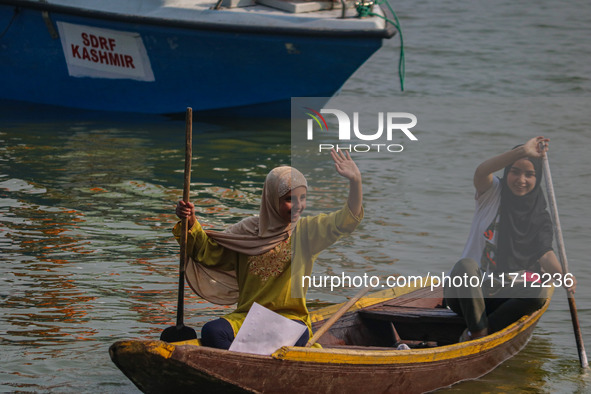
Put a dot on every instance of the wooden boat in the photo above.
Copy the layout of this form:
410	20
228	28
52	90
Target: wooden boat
249	57
358	353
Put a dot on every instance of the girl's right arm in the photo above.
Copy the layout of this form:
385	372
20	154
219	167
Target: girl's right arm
200	247
483	176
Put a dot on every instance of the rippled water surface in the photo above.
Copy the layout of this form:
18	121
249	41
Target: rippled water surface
87	200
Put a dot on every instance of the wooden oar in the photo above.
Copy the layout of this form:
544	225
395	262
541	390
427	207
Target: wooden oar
180	332
564	262
322	330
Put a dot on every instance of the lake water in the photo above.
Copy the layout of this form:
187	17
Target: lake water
87	200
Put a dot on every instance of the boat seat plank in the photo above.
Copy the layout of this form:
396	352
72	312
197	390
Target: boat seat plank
357	347
423	298
406	314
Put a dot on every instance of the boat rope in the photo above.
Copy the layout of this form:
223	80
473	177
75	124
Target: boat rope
16	11
364	8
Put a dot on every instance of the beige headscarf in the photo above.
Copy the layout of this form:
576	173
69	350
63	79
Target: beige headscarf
252	236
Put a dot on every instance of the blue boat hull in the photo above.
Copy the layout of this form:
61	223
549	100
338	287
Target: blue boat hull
238	72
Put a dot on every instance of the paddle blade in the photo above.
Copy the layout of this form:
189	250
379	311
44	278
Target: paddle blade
178	333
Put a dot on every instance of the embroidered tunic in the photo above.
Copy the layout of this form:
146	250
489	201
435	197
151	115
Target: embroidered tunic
267	278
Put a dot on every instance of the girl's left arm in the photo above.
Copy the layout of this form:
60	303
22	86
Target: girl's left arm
346	167
550	264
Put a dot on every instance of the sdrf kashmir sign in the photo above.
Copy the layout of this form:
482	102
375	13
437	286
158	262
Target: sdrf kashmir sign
104	53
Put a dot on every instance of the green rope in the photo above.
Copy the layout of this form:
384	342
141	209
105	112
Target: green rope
16	11
364	9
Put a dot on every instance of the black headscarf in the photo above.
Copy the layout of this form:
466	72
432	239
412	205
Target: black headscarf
525	232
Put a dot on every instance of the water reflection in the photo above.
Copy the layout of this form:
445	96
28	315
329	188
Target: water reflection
534	369
87	256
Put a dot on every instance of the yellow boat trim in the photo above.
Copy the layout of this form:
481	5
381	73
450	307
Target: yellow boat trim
163	350
414	356
159	348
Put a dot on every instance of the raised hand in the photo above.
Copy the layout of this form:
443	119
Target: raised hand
536	147
345	166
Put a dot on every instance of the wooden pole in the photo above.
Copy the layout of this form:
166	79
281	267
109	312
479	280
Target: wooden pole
185	221
180	332
322	330
564	262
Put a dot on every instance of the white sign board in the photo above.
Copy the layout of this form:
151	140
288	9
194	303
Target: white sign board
264	331
103	53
